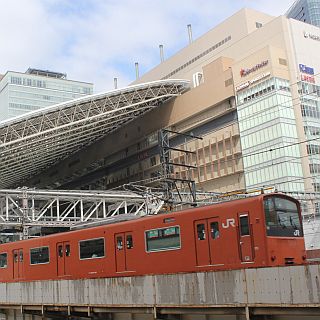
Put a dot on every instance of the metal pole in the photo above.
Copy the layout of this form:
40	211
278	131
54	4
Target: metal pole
137	70
161	53
190	33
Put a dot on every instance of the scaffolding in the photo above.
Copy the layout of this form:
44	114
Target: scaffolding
169	181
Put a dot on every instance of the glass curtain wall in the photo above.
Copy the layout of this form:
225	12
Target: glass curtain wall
271	155
310	110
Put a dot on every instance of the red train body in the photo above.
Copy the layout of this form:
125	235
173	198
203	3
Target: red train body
264	230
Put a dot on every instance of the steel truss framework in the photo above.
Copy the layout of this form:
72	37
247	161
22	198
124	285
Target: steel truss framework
25	208
32	143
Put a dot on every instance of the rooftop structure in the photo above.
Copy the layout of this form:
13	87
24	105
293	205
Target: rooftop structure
34	142
47	73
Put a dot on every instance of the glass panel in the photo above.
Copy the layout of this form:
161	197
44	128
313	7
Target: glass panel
3	260
92	248
119	243
21	255
68	252
15	257
39	255
129	242
201	231
244	226
166	239
60	251
214	229
282	217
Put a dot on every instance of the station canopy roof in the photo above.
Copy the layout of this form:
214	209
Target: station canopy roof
31	143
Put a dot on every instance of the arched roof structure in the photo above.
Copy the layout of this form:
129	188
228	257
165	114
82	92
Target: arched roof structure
35	141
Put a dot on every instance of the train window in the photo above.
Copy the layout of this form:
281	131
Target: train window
214	228
68	252
3	260
21	256
39	255
60	251
244	226
201	231
282	217
129	242
119	243
163	239
91	249
15	257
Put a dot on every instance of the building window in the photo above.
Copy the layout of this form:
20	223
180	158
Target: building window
316	187
153	161
258	25
313	149
283	62
16	80
228	82
315	168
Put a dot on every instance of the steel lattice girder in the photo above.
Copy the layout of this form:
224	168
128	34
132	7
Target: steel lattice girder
33	142
29	208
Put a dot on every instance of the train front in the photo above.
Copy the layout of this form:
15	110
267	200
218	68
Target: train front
284	233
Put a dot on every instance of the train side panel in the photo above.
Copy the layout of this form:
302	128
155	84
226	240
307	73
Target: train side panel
229	235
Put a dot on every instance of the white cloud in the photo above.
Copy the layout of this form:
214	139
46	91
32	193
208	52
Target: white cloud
97	40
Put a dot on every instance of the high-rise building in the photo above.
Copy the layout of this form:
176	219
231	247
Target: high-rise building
306	11
35	89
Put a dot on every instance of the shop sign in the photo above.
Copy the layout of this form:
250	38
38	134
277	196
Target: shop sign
307	78
307	73
311	36
245	72
305	69
252	81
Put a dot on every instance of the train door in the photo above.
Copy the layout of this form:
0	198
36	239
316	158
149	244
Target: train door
124	251
63	256
17	263
201	235
245	238
217	250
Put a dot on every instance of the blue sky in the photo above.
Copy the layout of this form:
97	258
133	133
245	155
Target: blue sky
97	40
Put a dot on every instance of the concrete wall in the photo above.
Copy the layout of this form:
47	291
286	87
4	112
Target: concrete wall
228	292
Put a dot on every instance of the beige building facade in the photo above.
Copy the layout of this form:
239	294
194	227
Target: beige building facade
254	99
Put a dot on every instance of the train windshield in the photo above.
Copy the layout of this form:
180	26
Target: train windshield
282	217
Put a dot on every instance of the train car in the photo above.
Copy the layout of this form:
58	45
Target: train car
259	231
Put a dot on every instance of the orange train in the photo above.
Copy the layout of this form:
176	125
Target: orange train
259	231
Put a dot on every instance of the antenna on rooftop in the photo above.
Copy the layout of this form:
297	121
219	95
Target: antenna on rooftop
115	81
161	52
137	70
190	33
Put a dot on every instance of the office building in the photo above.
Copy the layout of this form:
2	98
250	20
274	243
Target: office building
35	89
306	11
